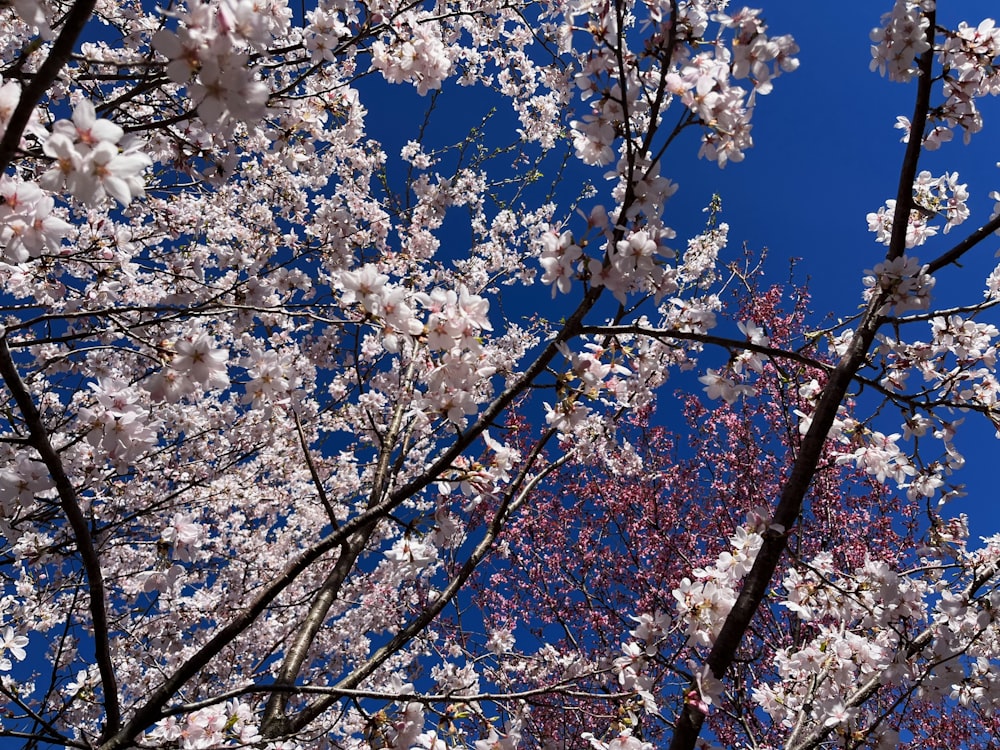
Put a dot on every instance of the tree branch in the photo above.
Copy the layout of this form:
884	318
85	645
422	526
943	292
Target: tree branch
39	440
422	620
59	55
952	256
705	338
914	145
789	507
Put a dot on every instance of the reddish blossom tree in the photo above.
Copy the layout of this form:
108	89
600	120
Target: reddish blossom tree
294	454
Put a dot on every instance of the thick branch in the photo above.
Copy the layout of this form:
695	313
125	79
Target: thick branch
789	506
705	338
952	256
31	94
274	713
563	687
914	145
39	440
273	722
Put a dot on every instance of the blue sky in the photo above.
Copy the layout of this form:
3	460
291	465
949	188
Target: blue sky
826	151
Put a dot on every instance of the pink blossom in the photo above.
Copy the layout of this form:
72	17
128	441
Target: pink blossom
14	645
199	360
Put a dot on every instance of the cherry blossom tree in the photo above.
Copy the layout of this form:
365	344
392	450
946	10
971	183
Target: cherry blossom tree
312	438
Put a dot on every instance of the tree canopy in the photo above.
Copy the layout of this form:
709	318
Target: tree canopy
361	390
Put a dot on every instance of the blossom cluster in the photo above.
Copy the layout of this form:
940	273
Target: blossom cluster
969	54
902	282
900	39
226	725
704	603
866	612
29	222
413	52
21	483
118	422
93	159
932	197
195	363
702	81
208	53
869	628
